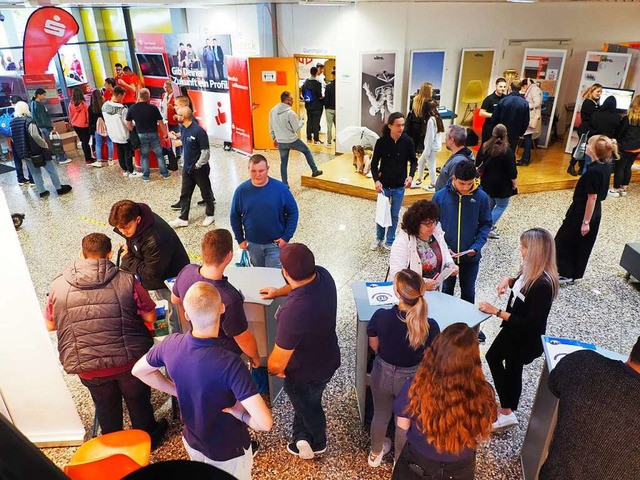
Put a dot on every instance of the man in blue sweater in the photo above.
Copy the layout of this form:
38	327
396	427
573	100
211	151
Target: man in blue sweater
465	217
264	215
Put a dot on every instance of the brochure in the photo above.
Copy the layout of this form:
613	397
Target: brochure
557	348
381	293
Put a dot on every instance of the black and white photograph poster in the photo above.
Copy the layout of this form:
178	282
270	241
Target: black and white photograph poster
377	96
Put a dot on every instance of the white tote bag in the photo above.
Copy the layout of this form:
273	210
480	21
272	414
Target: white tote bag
383	211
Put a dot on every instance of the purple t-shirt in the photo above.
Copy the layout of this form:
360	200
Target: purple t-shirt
416	438
208	379
233	321
307	325
394	347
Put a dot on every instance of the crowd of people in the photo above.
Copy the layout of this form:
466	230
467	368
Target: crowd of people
430	380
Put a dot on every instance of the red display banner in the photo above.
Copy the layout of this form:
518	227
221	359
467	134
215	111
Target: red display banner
241	128
48	28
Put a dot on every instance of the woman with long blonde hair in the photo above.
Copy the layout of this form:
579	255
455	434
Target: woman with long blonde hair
399	336
445	411
628	136
524	320
590	105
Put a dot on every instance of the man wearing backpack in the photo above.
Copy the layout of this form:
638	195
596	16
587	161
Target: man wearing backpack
311	92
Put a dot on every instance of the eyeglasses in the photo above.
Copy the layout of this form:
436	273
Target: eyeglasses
428	223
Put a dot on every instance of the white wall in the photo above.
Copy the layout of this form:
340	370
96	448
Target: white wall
348	30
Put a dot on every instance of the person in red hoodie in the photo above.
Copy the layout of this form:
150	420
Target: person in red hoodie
79	119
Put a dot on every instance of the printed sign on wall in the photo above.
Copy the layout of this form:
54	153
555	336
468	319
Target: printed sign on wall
474	82
426	66
240	97
377	99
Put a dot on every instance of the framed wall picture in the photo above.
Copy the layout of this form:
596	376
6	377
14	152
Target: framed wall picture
474	82
607	69
378	89
425	66
546	67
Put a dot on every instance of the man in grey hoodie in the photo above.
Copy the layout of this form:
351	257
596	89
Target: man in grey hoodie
284	125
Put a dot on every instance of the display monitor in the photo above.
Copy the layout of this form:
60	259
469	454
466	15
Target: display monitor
152	65
623	97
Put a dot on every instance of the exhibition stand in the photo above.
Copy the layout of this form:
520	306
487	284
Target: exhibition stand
33	394
544	411
444	309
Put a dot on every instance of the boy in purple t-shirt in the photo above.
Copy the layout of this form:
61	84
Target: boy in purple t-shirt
217	395
217	252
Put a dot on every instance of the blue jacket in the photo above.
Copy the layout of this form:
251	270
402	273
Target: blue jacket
513	113
465	219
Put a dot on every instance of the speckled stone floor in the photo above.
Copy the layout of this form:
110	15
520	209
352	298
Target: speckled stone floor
602	308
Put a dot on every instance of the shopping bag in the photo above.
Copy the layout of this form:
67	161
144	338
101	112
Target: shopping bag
383	211
581	147
244	260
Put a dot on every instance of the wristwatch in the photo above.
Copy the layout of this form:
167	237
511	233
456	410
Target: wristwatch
585	223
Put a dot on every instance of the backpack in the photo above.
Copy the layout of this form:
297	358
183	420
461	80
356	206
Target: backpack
307	93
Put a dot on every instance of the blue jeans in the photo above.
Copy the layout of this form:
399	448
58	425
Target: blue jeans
267	255
467	275
98	140
309	421
151	140
587	161
527	143
497	206
396	195
46	132
17	162
51	169
284	149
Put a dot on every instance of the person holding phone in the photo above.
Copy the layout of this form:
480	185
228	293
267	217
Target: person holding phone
524	320
420	245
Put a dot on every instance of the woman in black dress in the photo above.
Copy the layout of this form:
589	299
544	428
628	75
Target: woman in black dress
575	239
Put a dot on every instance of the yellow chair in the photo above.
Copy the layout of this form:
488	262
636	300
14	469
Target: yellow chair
473	95
110	456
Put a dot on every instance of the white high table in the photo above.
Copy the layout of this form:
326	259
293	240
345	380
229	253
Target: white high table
444	309
35	396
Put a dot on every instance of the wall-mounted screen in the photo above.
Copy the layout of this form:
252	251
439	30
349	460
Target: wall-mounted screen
152	65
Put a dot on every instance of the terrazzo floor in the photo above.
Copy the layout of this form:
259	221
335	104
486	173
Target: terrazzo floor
602	308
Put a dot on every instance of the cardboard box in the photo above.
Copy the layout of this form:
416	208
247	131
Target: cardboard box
61	126
69	141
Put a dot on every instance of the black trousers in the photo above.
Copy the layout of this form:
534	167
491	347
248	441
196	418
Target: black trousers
191	178
84	134
622	169
413	466
313	124
506	369
125	156
572	249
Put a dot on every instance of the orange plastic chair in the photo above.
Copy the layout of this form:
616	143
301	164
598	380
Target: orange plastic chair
110	456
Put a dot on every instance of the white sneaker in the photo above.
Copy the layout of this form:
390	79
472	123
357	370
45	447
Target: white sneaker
387	247
565	281
375	245
97	164
179	223
429	188
65	161
305	452
208	221
375	460
504	421
416	183
125	174
614	193
135	175
622	192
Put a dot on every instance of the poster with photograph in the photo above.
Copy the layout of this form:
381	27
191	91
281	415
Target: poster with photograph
198	61
607	69
474	82
377	99
426	66
546	67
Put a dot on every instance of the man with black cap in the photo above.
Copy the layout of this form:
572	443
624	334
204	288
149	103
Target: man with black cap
306	351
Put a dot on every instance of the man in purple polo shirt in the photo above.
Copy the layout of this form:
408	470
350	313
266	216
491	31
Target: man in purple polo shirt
306	351
217	396
217	252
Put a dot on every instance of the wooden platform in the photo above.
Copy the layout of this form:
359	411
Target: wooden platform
547	171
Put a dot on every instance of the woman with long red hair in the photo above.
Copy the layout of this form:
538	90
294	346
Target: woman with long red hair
445	411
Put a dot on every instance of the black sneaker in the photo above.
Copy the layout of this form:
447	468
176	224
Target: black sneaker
64	189
202	203
158	434
481	337
44	194
255	446
176	206
317	173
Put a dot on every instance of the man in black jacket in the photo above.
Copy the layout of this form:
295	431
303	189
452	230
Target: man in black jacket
513	113
311	92
389	171
330	106
152	251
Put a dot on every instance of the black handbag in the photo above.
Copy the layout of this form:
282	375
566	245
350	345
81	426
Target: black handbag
38	159
134	139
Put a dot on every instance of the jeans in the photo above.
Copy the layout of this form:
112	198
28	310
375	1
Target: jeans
191	178
467	275
431	166
151	140
386	382
84	135
309	421
99	139
46	132
240	467
527	143
313	124
587	160
330	116
36	172
412	465
107	394
396	195
125	156
497	206
503	358
267	255
299	146
622	169
17	162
